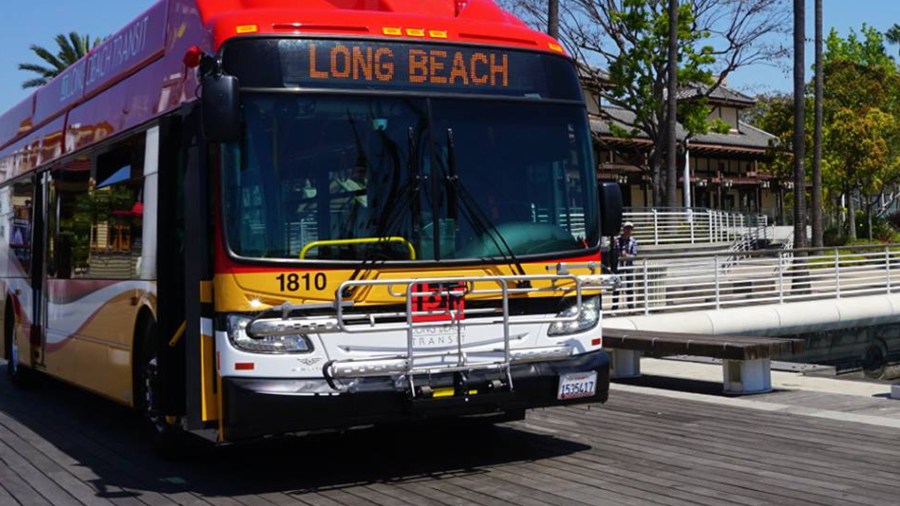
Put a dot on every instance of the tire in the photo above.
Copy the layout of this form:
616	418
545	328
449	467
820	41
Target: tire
874	360
166	438
18	375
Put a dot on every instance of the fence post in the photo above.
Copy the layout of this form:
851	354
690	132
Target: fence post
646	289
718	300
837	273
780	277
655	228
887	266
690	215
709	223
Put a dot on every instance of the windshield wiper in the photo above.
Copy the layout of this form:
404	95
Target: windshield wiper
476	216
393	209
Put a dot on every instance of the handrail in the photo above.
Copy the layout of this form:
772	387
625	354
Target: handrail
763	252
656	284
666	226
363	240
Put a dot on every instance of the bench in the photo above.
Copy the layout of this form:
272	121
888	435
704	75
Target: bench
746	360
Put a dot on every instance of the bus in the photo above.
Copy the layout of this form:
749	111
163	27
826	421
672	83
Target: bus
250	218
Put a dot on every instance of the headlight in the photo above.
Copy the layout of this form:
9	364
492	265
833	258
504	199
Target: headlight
588	319
237	334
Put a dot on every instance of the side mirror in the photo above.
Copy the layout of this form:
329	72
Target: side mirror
221	104
610	209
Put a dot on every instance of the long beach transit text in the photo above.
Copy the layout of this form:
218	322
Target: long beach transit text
432	66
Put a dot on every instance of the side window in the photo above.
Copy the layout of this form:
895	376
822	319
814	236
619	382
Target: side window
21	208
118	211
69	220
96	218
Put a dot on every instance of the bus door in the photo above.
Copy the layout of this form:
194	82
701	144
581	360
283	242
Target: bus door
38	272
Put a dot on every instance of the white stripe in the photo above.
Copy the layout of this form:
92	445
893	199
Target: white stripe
66	319
206	327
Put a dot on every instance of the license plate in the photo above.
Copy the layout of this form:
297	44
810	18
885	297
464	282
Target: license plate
577	385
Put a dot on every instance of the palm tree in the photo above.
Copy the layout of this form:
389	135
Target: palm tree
553	18
817	231
71	48
672	106
799	123
893	34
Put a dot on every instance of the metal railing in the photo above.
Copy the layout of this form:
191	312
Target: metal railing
656	226
700	281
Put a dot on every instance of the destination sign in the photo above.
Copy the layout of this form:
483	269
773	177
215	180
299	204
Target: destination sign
409	65
399	66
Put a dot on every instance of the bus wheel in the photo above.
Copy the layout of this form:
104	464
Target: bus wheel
18	375
146	375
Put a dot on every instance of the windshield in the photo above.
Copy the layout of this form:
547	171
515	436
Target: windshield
323	177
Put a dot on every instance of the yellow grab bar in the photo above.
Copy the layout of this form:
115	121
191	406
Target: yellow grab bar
363	240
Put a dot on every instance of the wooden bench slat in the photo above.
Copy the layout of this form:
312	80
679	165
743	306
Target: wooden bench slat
723	347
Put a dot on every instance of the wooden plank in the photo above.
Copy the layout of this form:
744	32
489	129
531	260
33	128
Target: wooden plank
32	475
17	488
644	446
637	449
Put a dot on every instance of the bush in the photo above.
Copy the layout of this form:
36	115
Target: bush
834	236
884	230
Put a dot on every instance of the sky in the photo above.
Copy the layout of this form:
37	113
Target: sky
839	14
29	22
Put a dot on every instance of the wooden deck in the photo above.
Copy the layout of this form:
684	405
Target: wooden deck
60	446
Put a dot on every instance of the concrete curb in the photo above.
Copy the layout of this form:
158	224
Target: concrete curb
895	391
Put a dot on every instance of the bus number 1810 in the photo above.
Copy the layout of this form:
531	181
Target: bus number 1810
295	282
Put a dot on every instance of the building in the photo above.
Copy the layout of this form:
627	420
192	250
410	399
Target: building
727	170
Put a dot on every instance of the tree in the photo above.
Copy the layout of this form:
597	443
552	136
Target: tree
893	34
861	103
799	120
630	38
71	48
817	232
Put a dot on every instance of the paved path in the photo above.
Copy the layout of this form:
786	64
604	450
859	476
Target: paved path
61	446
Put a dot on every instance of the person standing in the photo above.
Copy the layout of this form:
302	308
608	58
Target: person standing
626	247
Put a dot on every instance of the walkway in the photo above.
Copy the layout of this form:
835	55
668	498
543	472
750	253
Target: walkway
646	446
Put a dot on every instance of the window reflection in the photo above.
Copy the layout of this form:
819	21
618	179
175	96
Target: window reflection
96	218
20	225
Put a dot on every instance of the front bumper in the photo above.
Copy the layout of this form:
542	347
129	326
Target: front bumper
255	407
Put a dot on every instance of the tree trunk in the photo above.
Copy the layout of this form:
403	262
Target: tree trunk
658	189
672	105
553	18
869	215
851	214
817	228
799	123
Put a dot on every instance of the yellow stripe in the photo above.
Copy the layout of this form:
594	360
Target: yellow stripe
206	292
210	405
178	335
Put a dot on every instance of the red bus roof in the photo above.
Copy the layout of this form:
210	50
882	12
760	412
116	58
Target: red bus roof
473	21
138	74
